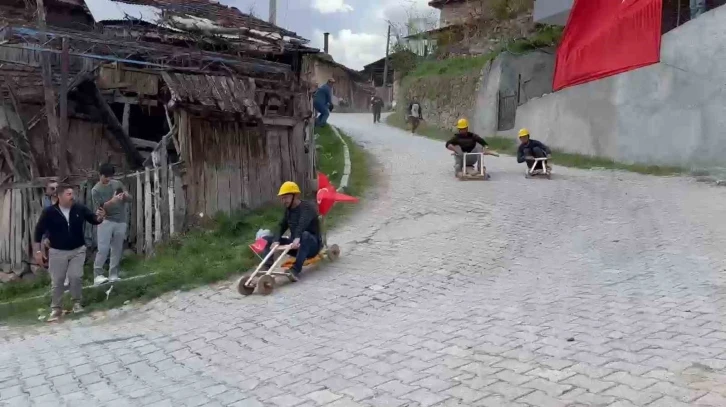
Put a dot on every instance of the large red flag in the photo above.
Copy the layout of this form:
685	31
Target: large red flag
607	37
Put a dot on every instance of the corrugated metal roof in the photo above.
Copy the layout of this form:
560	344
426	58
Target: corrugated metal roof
223	93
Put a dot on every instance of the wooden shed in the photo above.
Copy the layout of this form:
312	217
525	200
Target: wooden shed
201	108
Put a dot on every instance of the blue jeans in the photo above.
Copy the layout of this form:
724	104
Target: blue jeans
321	108
309	248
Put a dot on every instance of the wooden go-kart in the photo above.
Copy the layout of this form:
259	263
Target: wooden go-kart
264	280
531	172
476	172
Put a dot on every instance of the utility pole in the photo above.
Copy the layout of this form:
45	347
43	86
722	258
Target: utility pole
385	66
273	12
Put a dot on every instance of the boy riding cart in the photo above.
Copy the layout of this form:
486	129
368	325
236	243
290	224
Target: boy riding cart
535	153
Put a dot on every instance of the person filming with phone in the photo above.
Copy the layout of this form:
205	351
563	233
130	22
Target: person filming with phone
111	196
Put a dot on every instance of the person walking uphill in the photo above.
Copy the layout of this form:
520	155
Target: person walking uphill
110	195
377	105
322	101
301	217
63	222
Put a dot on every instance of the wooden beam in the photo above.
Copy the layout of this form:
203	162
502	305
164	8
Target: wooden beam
143	143
133	100
111	121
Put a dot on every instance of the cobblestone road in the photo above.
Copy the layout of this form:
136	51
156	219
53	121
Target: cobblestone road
593	289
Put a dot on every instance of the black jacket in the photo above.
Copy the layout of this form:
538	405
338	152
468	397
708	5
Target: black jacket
531	145
63	234
304	218
467	141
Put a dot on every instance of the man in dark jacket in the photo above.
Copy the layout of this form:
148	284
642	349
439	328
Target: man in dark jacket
301	217
63	223
377	106
530	149
465	142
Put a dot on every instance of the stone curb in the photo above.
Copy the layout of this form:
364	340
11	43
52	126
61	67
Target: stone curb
346	157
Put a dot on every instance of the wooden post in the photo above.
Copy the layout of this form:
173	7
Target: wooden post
157	211
49	94
163	172
63	133
125	118
139	215
148	242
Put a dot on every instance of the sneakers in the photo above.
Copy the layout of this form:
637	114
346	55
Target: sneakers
55	315
99	280
77	309
113	279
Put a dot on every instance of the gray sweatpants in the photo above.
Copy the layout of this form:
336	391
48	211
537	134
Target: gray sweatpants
111	236
62	263
470	159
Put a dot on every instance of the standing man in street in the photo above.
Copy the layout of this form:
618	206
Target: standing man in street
377	105
322	101
111	196
63	222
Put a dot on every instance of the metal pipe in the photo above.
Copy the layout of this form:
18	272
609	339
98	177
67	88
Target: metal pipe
325	42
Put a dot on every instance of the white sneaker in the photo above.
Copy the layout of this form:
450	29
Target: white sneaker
99	280
113	279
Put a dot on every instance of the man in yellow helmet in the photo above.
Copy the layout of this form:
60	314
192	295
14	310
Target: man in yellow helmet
465	141
530	149
301	218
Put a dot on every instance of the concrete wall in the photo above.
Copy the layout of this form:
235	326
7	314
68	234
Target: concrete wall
553	12
670	113
503	75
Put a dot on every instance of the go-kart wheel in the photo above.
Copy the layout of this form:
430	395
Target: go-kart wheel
266	284
242	287
334	252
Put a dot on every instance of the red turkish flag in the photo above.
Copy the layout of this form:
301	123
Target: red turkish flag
607	37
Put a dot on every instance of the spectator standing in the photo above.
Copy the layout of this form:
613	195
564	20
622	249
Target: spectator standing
63	222
377	105
111	195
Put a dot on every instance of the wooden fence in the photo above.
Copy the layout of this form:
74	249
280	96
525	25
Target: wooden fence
157	211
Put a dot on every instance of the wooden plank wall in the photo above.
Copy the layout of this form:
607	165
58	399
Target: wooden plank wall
20	209
232	166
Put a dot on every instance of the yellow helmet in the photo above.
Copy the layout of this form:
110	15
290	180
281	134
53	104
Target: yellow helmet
462	124
523	133
288	187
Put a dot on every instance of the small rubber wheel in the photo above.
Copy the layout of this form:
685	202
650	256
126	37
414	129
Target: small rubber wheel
334	252
527	175
266	284
242	288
